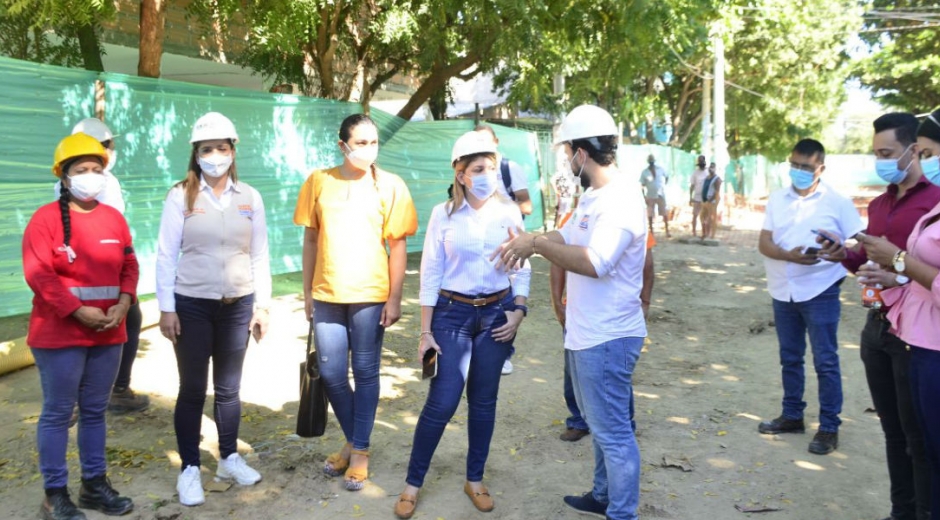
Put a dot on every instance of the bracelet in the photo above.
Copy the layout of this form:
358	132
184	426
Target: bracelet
423	332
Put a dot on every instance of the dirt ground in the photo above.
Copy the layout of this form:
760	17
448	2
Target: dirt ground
709	375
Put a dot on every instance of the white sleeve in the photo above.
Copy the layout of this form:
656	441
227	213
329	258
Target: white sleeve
768	214
260	259
518	177
169	243
850	222
521	278
432	259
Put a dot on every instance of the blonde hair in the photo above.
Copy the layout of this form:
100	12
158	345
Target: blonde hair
191	183
460	191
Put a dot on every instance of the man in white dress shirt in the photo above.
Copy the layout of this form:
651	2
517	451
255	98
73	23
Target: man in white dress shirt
804	284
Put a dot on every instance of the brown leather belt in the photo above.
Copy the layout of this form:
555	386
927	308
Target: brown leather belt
476	302
229	301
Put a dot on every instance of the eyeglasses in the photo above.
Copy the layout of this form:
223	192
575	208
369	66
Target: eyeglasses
804	167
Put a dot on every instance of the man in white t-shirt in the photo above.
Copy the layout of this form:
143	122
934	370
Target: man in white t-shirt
123	399
804	279
602	248
654	179
695	194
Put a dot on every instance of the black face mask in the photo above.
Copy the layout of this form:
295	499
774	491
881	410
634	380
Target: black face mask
701	165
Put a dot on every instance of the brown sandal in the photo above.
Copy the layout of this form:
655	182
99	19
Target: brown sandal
405	507
335	464
481	500
356	477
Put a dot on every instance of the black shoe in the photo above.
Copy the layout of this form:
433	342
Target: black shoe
824	443
573	434
124	400
58	506
782	425
586	504
98	494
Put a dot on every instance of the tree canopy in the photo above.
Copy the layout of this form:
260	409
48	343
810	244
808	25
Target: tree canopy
902	66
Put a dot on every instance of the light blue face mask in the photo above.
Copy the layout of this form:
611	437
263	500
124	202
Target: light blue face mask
888	169
802	179
931	169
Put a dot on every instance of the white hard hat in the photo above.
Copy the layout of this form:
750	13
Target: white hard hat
584	122
95	128
213	126
471	143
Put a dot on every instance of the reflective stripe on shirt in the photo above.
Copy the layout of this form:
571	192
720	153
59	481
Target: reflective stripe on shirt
107	292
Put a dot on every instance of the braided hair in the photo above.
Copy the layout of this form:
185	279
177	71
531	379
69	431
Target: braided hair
64	197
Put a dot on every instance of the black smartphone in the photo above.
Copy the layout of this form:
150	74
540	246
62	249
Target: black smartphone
811	251
429	364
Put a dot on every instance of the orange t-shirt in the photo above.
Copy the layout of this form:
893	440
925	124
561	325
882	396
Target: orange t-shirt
354	218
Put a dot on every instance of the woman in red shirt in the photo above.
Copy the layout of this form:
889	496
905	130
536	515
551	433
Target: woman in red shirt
79	261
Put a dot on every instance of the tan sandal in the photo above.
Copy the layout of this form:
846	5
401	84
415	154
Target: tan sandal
356	477
481	499
405	507
335	464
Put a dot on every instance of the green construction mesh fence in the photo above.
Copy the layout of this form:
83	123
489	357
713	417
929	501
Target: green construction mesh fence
282	138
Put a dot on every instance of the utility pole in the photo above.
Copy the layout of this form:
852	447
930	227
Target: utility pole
721	157
707	144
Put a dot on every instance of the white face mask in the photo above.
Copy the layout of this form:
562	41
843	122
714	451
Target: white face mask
87	186
362	158
215	165
483	185
112	157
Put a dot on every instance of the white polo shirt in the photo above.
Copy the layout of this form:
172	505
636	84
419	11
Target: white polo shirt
517	179
611	223
791	218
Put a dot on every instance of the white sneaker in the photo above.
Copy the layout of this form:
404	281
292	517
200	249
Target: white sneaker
235	467
189	487
507	368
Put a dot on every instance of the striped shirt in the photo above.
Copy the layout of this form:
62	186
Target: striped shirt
457	250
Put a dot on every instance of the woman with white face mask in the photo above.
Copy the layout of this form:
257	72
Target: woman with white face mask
214	289
912	281
79	261
352	286
470	312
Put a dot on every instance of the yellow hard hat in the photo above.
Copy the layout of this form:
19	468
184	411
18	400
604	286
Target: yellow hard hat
77	145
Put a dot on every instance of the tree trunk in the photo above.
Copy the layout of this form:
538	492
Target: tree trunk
438	104
90	47
437	81
152	25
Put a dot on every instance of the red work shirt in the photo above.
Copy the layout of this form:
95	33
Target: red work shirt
895	219
104	267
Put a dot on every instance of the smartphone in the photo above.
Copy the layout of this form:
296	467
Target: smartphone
811	251
256	332
429	364
824	236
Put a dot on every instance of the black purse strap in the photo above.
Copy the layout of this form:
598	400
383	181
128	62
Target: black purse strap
313	364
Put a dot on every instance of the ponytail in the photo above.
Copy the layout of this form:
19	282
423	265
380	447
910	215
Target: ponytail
64	198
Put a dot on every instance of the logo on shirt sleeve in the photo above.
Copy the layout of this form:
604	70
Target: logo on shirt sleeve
583	224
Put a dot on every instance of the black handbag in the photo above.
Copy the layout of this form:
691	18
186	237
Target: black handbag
311	415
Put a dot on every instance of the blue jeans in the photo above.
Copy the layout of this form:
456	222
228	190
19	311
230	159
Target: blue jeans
820	318
340	330
575	420
469	356
925	387
129	352
210	329
69	375
603	385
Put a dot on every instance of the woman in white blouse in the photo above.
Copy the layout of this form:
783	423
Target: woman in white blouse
470	312
213	288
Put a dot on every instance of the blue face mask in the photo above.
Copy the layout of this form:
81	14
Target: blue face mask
888	169
802	179
931	169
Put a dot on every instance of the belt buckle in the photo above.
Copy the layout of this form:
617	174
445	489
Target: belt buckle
229	301
479	302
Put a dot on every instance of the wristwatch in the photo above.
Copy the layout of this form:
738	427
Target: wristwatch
901	279
523	308
899	261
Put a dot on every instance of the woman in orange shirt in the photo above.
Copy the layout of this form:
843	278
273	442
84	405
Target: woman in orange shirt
352	287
